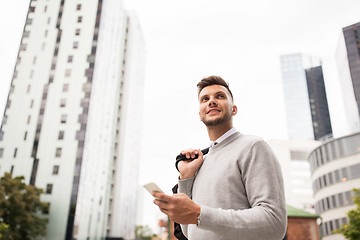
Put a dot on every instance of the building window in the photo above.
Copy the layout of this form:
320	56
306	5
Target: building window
79	20
46	33
55	170
31	9
58	152
25	136
12	169
78	7
76	45
62	103
32	103
70	58
28	88
63	118
67	72
26	34
43	46
77	32
46	208
65	87
45	8
1	152
28	21
48	21
34	60
49	188
61	135
15	152
8	103
23	47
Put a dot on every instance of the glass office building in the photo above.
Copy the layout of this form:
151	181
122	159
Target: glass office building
348	65
306	106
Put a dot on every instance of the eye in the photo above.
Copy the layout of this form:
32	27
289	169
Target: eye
204	99
221	96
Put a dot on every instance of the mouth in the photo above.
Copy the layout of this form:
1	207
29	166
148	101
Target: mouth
213	111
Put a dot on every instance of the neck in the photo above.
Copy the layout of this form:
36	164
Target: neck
215	132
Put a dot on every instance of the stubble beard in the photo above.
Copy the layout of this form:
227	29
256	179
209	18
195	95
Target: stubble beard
217	121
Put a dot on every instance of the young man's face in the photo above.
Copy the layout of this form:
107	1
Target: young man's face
216	106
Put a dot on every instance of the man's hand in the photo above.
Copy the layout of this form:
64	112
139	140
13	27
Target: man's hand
188	168
179	207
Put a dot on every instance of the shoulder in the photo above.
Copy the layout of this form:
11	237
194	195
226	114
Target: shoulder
249	140
253	143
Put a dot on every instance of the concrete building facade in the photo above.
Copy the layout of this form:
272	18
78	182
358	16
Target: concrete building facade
72	123
293	158
335	171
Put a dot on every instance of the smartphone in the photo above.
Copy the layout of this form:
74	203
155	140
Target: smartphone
151	187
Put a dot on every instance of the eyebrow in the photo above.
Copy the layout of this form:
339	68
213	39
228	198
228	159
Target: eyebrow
218	92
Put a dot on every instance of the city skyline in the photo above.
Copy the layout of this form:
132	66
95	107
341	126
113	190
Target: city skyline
242	43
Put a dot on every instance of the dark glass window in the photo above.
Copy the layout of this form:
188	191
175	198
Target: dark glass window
15	152
61	135
78	7
63	102
79	19
56	170
63	118
49	188
58	152
1	152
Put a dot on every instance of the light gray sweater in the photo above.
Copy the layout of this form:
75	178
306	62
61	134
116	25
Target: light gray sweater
240	190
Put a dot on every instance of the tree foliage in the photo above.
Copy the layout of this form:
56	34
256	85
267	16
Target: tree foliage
19	209
143	233
352	229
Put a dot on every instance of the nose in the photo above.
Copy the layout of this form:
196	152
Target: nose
212	102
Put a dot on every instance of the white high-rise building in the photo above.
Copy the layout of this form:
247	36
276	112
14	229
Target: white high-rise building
72	123
293	158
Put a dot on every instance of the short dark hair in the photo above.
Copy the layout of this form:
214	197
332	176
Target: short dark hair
213	80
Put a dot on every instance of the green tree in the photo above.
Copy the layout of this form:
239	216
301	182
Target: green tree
19	209
352	229
143	233
3	229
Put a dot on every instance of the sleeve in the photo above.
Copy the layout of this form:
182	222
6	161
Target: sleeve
185	186
266	218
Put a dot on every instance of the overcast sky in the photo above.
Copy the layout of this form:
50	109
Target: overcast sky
191	39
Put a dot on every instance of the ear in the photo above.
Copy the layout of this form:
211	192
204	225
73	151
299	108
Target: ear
234	110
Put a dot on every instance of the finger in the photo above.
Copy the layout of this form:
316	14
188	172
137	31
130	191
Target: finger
161	204
162	196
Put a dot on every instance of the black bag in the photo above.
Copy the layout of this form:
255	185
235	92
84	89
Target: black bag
177	228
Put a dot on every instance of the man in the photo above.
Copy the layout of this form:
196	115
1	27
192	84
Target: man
235	191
